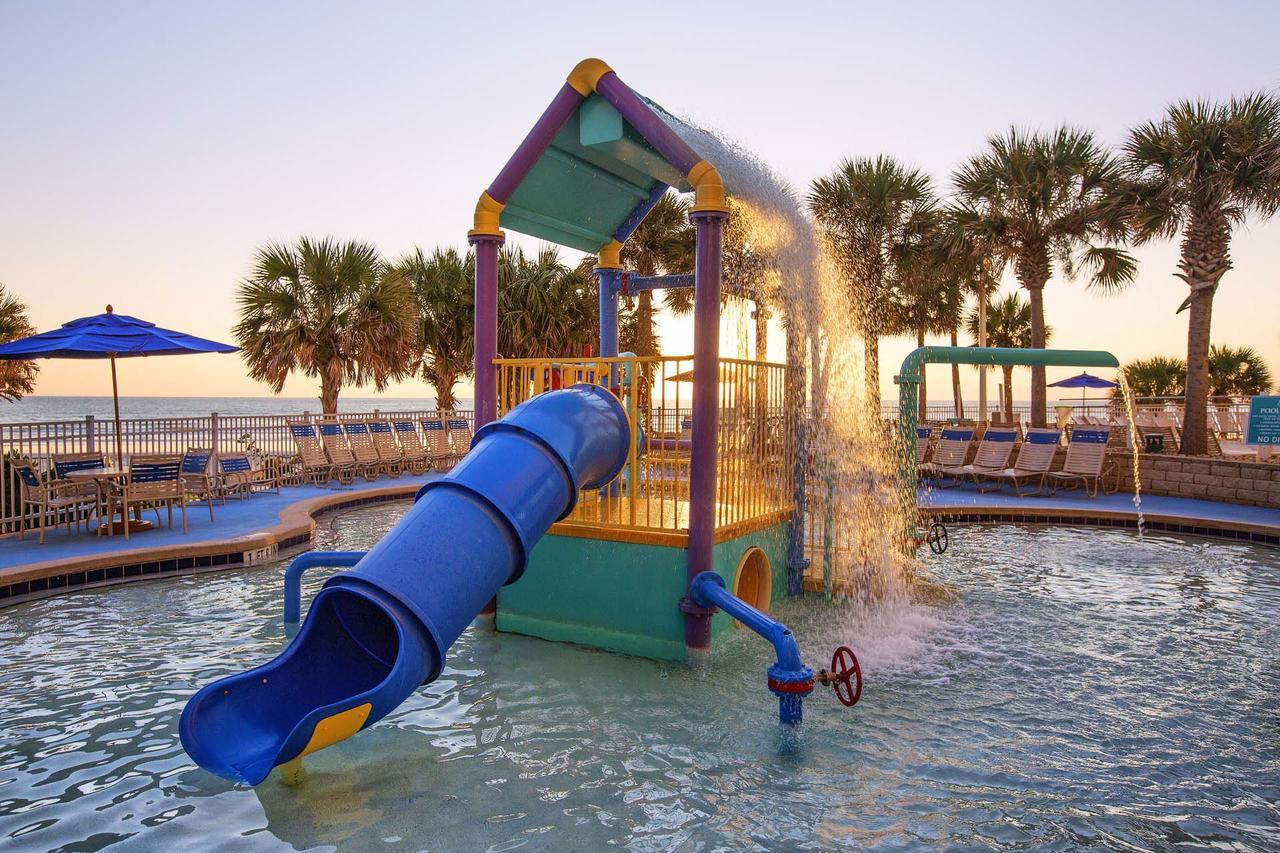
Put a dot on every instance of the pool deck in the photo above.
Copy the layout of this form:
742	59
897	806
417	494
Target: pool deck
267	526
1174	515
245	531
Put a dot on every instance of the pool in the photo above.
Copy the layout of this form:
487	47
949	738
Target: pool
1089	688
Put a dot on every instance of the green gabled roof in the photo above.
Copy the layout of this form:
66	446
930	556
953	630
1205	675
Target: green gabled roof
597	171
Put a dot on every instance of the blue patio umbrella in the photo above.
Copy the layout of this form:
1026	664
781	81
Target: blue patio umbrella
1084	381
109	336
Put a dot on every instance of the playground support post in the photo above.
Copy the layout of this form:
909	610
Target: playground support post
706	394
486	326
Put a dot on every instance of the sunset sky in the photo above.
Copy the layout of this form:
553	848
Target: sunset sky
148	148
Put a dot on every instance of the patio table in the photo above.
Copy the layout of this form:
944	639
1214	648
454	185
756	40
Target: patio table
102	479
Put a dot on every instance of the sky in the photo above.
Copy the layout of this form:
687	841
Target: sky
148	148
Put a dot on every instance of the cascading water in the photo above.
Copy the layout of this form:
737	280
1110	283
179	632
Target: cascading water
1131	409
858	508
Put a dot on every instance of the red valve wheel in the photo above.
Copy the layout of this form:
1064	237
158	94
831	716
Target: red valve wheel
846	676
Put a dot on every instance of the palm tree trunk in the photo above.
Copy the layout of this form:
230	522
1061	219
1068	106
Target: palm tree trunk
1008	393
329	395
644	323
955	377
871	357
1205	259
982	342
1039	394
444	383
922	398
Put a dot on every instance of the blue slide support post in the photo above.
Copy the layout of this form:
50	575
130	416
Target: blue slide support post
376	633
789	679
311	560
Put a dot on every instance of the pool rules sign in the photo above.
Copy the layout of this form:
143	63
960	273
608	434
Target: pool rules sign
1264	422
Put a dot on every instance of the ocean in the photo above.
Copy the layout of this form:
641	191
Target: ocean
48	408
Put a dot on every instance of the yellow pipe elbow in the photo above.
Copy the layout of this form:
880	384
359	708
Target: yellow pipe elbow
488	214
709	188
586	74
610	256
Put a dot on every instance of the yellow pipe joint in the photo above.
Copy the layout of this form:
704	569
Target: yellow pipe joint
488	213
709	188
610	256
586	74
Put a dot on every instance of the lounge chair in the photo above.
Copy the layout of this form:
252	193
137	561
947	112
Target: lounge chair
50	499
238	476
339	452
1035	458
152	482
384	441
316	466
993	455
368	463
195	476
951	451
922	443
412	450
438	449
1085	463
459	435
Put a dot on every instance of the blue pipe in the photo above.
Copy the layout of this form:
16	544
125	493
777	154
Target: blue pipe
376	633
311	560
789	679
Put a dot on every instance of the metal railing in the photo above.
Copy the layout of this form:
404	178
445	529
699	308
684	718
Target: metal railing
267	434
652	492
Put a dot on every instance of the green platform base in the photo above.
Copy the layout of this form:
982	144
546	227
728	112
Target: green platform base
622	596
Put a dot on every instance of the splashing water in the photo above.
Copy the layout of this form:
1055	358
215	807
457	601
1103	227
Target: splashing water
859	509
1131	410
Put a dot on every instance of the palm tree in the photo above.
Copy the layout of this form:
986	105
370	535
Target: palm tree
445	295
867	209
1237	371
978	264
1202	170
1157	376
330	310
17	378
663	244
1008	325
1043	198
545	308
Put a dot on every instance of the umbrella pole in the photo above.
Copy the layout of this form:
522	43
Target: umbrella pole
115	396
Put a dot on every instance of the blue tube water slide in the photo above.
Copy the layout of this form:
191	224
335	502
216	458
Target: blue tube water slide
789	679
376	633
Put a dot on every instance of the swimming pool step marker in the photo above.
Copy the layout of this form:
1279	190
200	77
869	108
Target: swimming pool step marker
376	633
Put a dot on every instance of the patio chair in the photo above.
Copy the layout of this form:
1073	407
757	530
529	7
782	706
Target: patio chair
368	463
199	484
1035	458
459	435
238	476
384	441
51	499
951	450
993	455
65	463
922	443
339	452
438	449
152	482
316	466
1086	462
414	452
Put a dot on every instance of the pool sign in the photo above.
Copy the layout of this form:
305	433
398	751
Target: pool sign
1264	422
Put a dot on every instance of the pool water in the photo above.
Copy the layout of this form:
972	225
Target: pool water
1088	688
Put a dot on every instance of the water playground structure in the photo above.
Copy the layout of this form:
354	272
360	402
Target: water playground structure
603	502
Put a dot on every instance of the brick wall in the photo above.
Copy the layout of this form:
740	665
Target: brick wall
1250	483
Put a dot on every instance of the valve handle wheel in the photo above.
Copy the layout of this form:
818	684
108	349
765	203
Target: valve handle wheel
937	538
846	676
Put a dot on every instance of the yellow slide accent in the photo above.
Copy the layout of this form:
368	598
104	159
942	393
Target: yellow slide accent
340	726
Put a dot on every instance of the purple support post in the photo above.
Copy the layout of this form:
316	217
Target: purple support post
656	131
706	404
486	326
544	130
